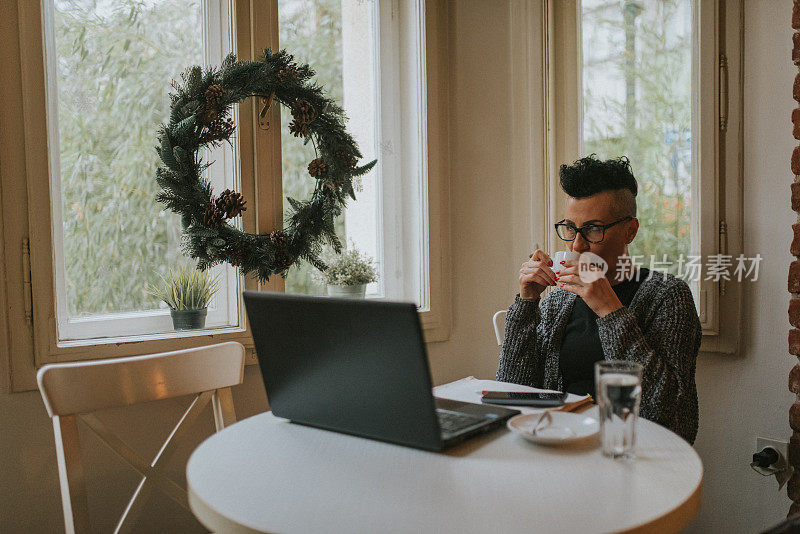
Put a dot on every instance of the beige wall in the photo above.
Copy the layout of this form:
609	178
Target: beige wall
741	396
745	396
483	213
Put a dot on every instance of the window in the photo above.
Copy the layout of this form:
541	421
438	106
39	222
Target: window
636	69
659	82
69	299
106	66
355	48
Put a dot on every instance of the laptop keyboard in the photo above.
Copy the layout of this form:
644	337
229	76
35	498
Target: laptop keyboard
451	422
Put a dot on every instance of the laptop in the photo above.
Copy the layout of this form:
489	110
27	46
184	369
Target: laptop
358	367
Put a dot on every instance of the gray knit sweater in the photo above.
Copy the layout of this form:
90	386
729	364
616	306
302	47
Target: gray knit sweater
660	330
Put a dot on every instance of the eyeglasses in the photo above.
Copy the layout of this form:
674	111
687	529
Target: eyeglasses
593	233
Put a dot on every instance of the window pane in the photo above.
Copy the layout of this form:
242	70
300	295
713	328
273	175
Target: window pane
110	77
336	38
637	102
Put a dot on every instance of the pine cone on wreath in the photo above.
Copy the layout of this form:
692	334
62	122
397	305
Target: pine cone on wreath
208	115
303	111
299	129
283	260
213	95
287	72
231	204
317	168
213	217
218	128
236	255
279	239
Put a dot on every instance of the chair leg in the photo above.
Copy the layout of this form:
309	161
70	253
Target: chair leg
70	475
127	522
222	404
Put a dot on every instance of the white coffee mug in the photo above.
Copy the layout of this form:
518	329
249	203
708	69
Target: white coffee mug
563	255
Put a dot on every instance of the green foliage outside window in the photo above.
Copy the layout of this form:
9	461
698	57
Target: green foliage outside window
655	63
114	63
312	31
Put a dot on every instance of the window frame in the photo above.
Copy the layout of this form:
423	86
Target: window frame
415	80
28	294
226	307
718	217
396	189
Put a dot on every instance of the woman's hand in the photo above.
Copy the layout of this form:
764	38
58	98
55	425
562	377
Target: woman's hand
598	295
535	274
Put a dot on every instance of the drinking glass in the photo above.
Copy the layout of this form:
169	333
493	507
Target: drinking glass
619	392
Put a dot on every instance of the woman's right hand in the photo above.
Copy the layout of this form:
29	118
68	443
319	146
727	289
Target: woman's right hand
535	275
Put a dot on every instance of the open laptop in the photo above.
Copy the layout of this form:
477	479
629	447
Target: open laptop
357	367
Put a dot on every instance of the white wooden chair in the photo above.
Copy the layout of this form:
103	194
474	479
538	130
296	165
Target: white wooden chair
499	323
71	390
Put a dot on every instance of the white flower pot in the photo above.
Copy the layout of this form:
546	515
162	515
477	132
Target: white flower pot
347	292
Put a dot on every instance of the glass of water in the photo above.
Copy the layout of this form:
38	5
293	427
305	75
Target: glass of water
619	392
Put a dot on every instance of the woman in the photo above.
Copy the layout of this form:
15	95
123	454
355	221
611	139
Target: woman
628	314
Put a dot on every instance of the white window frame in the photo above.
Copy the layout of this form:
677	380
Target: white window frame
26	244
716	196
32	323
404	98
399	142
226	310
406	217
404	171
434	26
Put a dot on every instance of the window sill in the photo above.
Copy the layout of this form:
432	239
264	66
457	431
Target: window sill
173	334
717	344
435	327
135	345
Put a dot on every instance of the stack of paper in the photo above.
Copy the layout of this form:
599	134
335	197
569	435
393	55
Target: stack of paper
469	390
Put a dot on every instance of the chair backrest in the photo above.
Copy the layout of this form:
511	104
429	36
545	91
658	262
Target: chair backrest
78	387
499	323
72	390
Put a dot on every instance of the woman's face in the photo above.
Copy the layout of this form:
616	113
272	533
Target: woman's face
602	208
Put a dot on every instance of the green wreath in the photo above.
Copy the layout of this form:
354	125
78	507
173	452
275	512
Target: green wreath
199	116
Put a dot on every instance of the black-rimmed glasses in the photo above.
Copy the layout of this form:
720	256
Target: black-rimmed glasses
593	233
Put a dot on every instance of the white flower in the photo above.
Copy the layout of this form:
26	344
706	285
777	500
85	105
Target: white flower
350	268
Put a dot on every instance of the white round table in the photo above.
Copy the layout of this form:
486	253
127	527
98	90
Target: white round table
265	474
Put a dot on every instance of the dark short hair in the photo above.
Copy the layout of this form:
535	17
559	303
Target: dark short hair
588	176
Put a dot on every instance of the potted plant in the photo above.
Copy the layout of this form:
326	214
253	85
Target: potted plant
187	291
348	274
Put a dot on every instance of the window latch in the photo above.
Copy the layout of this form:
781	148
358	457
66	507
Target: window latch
26	280
723	93
723	249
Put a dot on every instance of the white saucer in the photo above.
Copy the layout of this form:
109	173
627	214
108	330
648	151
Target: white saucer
564	427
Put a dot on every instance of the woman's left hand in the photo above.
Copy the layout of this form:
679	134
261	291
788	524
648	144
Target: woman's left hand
598	295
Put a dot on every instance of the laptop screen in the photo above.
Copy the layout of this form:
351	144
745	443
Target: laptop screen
354	366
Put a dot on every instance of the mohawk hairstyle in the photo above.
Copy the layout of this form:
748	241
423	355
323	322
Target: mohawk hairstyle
588	176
